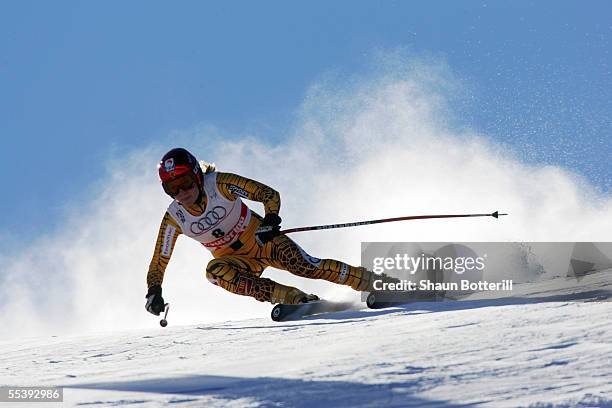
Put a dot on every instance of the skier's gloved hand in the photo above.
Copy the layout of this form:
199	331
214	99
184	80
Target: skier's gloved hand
155	301
269	228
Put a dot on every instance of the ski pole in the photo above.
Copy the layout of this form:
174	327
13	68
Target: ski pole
163	322
496	214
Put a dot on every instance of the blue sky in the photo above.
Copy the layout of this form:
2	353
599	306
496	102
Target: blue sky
83	81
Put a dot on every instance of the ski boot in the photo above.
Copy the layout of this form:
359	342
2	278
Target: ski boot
308	298
291	296
382	278
384	296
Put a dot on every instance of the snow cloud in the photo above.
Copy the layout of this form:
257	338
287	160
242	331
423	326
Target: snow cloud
375	145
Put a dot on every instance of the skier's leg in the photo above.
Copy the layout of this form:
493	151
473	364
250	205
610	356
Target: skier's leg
284	253
241	275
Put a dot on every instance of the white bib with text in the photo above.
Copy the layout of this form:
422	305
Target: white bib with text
221	223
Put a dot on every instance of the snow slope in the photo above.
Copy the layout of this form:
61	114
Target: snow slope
551	346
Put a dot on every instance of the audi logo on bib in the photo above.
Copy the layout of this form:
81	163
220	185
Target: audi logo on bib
210	220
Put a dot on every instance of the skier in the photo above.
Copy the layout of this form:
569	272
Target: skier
208	207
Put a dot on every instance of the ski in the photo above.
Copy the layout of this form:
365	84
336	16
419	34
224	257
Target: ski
283	312
383	299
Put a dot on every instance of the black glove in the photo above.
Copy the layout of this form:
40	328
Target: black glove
155	302
269	228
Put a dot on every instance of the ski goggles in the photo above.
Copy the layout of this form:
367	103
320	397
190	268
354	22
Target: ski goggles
174	186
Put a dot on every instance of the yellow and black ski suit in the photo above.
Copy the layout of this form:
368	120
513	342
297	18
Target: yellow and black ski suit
226	226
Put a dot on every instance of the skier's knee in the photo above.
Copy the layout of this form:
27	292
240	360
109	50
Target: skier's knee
217	270
211	278
214	267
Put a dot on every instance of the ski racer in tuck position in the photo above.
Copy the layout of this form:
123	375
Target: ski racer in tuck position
208	207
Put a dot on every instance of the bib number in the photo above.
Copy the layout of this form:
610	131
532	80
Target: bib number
218	233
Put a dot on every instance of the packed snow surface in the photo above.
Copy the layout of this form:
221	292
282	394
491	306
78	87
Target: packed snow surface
548	345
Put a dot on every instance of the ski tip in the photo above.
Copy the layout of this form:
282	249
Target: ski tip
277	313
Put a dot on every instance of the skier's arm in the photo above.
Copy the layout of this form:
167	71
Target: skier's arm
233	185
166	238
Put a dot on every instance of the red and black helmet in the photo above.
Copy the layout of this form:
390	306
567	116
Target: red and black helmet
178	162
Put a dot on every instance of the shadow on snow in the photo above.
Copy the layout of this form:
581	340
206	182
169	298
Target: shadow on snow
267	391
